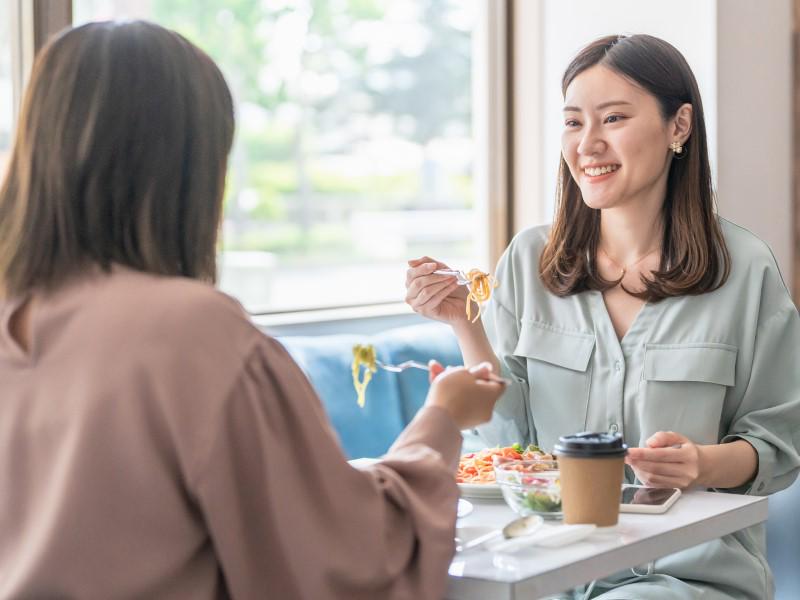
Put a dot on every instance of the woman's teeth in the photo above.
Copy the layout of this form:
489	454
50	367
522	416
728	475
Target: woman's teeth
596	171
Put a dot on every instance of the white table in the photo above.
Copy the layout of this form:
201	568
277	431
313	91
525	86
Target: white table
638	538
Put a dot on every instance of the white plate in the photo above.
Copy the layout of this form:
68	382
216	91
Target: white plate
480	490
464	508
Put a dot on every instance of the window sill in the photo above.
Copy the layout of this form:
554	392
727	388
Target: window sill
352	319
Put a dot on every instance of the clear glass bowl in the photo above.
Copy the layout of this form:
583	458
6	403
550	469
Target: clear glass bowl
530	487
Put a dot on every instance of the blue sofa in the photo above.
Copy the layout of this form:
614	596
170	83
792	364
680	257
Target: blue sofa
783	541
392	399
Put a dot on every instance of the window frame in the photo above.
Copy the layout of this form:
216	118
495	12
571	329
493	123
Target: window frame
37	20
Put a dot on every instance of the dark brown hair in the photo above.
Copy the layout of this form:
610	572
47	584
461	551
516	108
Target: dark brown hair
120	157
694	257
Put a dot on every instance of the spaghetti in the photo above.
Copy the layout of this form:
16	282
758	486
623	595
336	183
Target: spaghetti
363	355
480	290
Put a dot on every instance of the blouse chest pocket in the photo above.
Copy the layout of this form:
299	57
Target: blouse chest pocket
683	389
559	375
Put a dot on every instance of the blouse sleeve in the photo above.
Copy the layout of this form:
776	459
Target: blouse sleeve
769	412
290	518
510	421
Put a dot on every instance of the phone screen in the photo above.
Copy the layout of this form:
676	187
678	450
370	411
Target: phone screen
644	495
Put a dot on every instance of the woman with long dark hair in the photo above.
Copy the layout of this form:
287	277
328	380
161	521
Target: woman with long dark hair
153	443
641	311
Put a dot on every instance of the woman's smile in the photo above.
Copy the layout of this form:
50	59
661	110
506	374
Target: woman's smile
600	173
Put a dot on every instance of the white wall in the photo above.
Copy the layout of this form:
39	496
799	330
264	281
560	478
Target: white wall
740	52
754	120
571	24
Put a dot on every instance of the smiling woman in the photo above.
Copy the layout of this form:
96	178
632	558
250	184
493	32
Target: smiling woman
625	107
640	311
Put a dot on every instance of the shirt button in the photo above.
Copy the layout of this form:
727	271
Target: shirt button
613	428
618	365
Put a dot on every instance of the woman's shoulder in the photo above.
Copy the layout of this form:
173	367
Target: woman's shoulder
750	255
532	236
175	309
174	294
754	268
529	242
744	245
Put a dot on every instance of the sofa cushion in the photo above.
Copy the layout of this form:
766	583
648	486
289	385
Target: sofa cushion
783	541
327	360
392	399
421	343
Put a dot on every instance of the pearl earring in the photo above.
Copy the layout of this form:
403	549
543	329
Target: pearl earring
677	148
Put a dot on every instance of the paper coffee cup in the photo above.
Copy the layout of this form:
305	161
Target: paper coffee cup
591	467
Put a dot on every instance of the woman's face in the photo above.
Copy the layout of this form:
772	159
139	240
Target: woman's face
615	141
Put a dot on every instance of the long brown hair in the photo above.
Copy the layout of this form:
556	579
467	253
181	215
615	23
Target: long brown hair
120	157
694	257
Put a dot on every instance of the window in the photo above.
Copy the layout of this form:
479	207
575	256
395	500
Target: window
354	148
6	87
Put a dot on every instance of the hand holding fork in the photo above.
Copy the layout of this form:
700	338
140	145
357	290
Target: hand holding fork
413	364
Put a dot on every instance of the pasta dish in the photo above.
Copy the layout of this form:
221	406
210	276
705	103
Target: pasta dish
478	467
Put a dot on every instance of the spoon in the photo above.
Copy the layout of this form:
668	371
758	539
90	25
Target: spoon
516	528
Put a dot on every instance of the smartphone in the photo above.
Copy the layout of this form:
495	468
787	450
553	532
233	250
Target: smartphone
642	499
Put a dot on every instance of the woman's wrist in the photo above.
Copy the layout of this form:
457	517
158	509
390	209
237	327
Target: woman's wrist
474	344
728	465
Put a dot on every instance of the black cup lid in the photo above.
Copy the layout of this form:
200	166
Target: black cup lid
591	444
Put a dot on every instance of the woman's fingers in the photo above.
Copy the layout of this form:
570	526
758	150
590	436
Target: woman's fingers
413	274
415	262
664	455
482	370
432	299
435	369
420	293
422	269
652	480
429	296
660	469
663	439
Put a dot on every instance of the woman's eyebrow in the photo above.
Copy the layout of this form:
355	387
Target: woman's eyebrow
600	106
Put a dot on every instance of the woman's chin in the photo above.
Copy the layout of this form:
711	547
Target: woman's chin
599	203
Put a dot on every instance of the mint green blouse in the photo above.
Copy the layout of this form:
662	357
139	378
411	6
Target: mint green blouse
715	367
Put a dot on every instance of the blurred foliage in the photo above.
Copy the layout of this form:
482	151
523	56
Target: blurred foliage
307	88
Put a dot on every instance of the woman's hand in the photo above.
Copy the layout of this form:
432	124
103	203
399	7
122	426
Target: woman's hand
437	297
669	460
468	395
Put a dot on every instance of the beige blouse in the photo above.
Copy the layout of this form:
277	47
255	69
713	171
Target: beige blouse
154	444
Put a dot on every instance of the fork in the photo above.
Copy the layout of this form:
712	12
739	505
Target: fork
408	364
461	277
413	364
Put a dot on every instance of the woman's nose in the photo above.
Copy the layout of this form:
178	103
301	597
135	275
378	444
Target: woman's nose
592	142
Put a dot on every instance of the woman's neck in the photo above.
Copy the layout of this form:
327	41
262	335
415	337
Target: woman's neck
628	233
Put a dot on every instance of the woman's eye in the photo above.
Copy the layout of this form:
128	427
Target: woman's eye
570	123
614	118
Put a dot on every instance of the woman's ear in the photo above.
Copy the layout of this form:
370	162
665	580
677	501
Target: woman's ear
682	123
